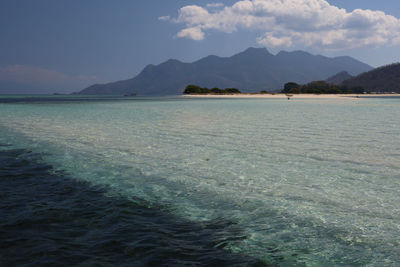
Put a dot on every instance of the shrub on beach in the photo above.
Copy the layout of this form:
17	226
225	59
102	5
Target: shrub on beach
194	89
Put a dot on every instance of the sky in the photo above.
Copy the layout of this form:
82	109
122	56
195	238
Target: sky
67	45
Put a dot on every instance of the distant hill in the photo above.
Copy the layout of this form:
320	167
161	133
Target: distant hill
250	71
339	78
383	79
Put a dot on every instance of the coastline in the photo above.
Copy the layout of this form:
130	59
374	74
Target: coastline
294	96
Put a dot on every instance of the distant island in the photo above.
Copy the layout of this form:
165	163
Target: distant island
250	71
256	70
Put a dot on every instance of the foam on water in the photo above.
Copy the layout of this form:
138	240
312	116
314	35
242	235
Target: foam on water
311	182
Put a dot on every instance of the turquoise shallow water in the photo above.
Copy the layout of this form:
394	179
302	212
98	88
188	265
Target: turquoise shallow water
310	182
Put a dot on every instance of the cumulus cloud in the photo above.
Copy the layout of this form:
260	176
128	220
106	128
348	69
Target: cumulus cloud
269	40
194	33
313	23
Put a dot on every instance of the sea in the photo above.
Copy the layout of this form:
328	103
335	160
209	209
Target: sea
176	181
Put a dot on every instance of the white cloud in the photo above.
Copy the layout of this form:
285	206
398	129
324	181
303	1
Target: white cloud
270	40
164	18
313	23
194	33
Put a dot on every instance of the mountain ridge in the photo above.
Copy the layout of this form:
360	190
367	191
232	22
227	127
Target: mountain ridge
252	70
382	79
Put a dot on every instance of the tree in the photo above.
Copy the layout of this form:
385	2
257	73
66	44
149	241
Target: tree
232	91
216	90
192	89
289	86
358	89
294	90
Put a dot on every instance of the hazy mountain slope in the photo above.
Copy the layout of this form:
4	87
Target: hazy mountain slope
252	70
339	78
383	79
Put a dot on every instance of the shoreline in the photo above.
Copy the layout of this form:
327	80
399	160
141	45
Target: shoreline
293	96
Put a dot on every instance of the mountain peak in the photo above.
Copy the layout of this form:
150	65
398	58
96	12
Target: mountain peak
254	50
253	54
171	61
291	53
149	66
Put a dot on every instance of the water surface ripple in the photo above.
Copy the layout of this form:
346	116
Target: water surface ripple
303	182
49	219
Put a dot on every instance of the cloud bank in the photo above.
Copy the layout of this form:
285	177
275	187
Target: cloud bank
285	23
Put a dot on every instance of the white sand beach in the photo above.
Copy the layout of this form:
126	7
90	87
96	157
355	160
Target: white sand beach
293	96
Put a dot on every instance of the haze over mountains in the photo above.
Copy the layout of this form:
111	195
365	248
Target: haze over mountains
253	70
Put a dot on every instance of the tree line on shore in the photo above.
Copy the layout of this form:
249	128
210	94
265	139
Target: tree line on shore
316	87
197	90
320	87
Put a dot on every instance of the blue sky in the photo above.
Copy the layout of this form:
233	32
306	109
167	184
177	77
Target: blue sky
70	44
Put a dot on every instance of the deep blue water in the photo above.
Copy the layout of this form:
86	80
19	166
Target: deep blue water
49	219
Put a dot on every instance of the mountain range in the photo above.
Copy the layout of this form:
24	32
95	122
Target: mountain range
252	70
